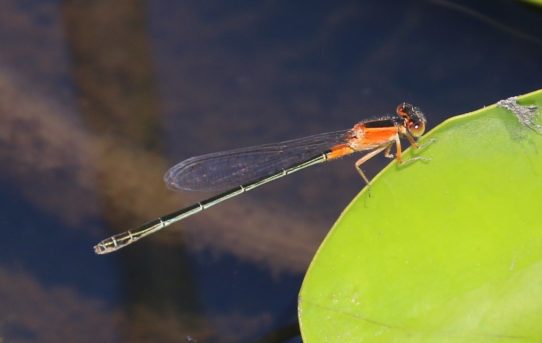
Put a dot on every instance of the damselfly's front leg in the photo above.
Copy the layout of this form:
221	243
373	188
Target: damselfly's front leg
415	144
398	153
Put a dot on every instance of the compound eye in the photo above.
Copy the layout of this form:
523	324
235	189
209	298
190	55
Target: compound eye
403	110
416	129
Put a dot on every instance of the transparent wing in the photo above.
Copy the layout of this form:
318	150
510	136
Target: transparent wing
222	170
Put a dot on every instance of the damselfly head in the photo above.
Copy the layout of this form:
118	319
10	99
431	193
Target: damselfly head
413	117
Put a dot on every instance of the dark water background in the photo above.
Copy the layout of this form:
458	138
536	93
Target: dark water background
99	98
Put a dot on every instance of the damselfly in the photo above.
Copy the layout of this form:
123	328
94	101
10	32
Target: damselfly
242	170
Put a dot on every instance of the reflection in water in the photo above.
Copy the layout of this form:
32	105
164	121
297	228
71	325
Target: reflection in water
34	313
94	95
44	141
111	163
113	75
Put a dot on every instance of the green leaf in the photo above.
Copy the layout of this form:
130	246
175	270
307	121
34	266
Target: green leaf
448	250
534	2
